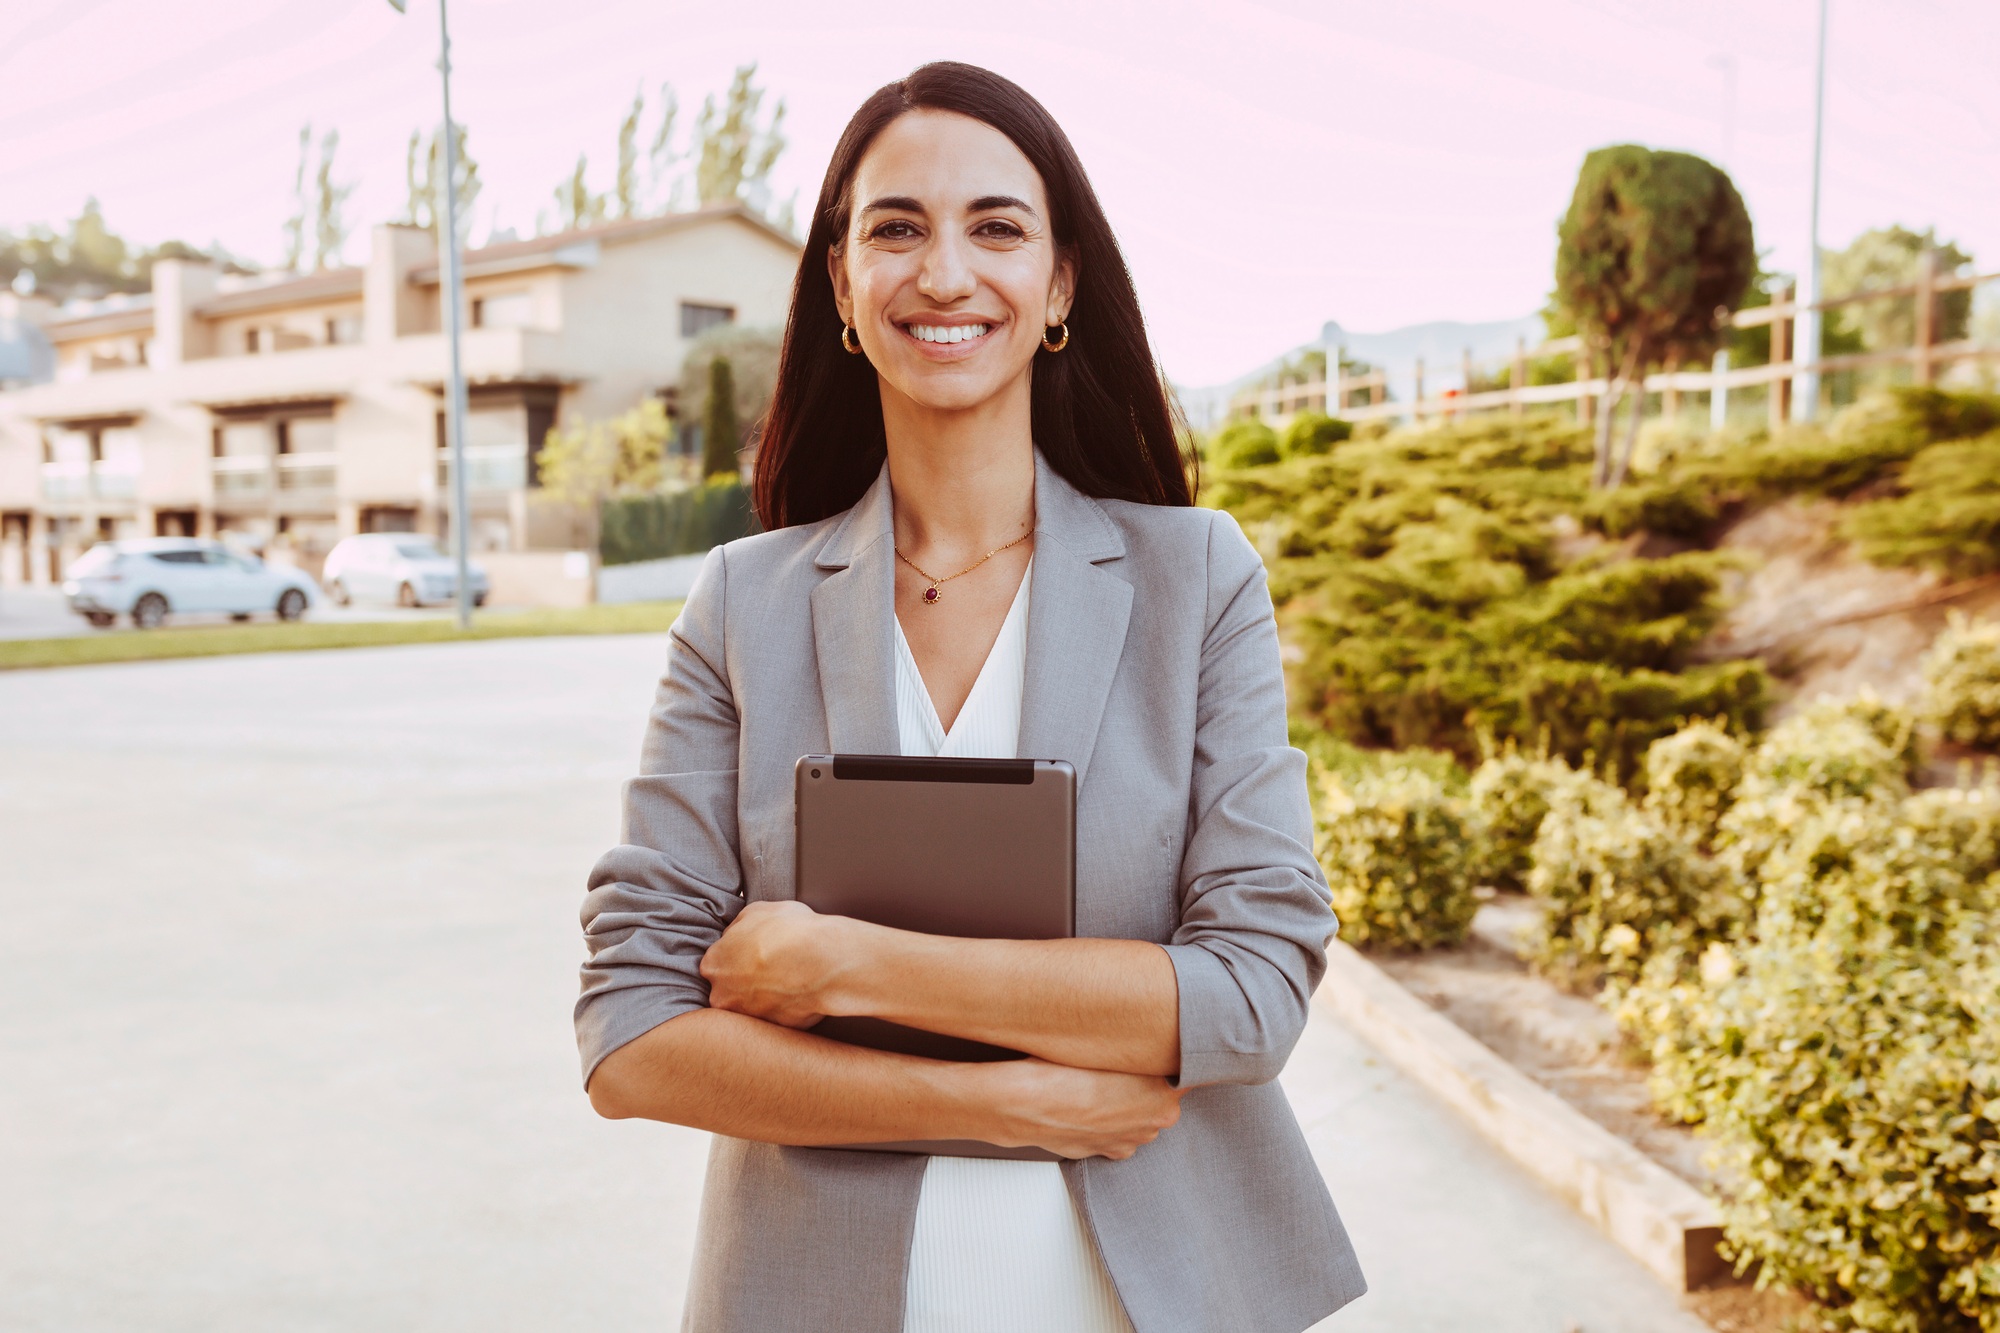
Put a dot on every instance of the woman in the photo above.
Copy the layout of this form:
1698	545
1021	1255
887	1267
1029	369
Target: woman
981	543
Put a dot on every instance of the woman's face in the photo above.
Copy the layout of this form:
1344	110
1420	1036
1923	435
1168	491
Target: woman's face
949	272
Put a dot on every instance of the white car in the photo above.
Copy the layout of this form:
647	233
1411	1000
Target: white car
399	567
151	578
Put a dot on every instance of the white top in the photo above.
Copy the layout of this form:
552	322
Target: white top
999	1246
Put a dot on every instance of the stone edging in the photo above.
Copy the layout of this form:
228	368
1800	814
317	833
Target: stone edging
1654	1215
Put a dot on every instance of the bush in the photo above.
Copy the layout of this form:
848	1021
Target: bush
1845	1060
652	527
1396	850
1246	442
1510	794
1691	779
1619	885
1962	682
1312	433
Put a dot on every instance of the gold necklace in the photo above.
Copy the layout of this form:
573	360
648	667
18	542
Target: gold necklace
931	594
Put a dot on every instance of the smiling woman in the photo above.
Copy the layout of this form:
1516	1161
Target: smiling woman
979	544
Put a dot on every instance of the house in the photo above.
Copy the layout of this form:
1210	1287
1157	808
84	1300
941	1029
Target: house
292	412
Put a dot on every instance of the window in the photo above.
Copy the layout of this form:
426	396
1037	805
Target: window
250	341
503	310
697	319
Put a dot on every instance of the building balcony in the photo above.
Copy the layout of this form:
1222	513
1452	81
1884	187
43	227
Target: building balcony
74	484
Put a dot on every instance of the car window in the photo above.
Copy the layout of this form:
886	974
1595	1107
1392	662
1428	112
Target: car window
417	551
215	556
178	557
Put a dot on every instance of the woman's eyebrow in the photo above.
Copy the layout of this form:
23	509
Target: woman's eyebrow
893	203
990	201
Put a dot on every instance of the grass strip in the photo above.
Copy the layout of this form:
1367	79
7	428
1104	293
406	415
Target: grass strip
219	640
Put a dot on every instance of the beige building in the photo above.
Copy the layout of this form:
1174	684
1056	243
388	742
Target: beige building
296	411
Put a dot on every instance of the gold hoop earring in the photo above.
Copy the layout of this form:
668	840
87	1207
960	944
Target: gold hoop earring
847	333
1059	345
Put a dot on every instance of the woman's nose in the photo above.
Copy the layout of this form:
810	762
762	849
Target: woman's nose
947	274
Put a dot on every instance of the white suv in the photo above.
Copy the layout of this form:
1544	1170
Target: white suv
149	578
399	567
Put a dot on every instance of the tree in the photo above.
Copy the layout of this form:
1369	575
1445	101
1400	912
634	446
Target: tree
752	354
586	463
577	205
317	228
1889	257
1655	250
733	153
424	172
721	435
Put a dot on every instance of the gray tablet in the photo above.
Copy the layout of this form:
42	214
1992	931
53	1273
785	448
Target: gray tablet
977	848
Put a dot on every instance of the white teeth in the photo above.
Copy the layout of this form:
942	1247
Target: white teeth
947	333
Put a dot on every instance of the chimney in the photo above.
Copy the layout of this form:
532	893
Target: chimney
393	307
179	285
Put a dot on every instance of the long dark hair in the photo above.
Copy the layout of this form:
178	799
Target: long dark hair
1100	411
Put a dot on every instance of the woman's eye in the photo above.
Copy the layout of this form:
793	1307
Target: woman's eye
895	231
1005	231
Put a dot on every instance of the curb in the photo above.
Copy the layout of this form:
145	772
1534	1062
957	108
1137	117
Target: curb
1650	1213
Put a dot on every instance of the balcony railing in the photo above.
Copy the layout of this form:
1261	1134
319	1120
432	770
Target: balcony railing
488	467
73	483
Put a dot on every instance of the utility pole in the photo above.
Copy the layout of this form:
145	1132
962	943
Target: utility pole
1805	396
451	294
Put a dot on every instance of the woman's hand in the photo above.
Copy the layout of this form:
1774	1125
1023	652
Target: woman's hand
775	962
1076	1112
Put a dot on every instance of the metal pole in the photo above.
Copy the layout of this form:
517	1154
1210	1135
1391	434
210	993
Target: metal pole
1805	404
452	293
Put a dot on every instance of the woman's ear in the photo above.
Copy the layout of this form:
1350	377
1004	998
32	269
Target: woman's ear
1062	290
843	291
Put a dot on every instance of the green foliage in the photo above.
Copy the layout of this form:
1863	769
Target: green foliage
1419	577
1244	442
1691	779
86	258
1948	517
1397	853
423	179
652	527
582	464
1619	885
1889	257
1654	243
752	354
1962	682
734	152
1845	1060
722	437
1510	793
1312	433
317	229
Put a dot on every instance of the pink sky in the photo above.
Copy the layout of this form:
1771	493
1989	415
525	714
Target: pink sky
1269	166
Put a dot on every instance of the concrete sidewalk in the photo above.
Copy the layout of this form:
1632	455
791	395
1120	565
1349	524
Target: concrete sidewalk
287	950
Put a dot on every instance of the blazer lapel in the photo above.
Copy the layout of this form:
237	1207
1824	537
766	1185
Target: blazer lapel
1077	616
853	620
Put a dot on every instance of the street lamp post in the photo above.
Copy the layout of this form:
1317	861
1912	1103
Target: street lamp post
1805	395
451	292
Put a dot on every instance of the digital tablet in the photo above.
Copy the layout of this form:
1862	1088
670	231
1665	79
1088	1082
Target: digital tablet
976	848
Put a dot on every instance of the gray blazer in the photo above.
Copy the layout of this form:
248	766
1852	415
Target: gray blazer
1153	668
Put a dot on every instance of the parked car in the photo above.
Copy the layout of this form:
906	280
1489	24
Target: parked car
152	578
399	567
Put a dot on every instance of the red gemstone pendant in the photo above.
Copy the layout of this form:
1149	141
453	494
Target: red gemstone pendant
930	596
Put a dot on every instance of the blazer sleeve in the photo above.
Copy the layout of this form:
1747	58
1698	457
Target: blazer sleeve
1255	910
674	883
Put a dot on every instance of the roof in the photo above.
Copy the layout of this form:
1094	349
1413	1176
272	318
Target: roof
547	251
328	285
135	316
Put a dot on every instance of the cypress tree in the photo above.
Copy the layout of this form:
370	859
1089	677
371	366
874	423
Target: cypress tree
721	436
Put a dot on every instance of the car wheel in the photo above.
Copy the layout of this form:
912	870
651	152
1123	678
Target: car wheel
150	611
239	616
479	599
338	591
100	619
406	596
292	605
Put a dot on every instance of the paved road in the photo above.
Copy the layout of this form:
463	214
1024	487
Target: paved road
287	948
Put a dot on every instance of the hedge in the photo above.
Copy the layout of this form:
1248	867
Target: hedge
1396	851
652	527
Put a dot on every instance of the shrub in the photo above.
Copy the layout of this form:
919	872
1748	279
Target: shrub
1691	779
1834	750
1312	433
1948	517
1246	442
1845	1059
651	527
1510	793
1619	886
1962	682
1397	854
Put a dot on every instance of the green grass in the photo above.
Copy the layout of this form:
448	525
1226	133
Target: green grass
218	640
